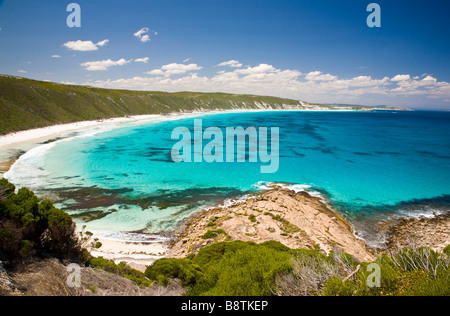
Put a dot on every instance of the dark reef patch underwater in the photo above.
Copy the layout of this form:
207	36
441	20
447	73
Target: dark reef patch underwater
371	166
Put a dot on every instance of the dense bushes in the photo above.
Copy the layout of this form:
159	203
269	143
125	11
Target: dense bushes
29	226
162	270
409	272
246	269
228	268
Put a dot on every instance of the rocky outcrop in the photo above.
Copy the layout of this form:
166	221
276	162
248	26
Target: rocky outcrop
296	220
423	232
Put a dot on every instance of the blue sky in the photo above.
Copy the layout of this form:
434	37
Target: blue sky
316	51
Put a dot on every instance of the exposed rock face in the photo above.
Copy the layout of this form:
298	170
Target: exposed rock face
424	232
7	285
296	220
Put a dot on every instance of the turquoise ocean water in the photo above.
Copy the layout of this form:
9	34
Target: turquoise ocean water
370	166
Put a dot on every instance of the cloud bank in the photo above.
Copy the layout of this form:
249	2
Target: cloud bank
103	65
265	79
174	69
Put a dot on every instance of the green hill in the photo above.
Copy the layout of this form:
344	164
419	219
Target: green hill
27	104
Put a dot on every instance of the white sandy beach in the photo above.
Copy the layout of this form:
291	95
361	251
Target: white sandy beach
24	141
137	255
41	134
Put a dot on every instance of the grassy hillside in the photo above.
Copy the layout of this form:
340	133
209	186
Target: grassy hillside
27	104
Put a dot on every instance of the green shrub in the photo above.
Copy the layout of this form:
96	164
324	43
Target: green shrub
227	268
28	225
447	250
26	247
121	269
210	234
213	221
164	269
422	258
248	272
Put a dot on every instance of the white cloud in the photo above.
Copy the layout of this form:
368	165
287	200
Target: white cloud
56	56
429	79
104	64
145	38
22	71
142	34
186	60
155	72
174	69
260	69
231	63
319	76
102	43
401	78
84	46
428	87
142	60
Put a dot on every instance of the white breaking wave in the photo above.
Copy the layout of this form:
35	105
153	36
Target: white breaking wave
229	202
133	237
29	169
264	186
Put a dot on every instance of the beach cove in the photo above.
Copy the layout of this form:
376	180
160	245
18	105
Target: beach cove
138	251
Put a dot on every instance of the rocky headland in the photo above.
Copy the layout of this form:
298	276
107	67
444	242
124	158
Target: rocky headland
295	219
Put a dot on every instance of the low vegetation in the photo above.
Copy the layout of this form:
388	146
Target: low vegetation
121	269
247	269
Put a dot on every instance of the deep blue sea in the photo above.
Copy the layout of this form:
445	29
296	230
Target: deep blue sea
370	166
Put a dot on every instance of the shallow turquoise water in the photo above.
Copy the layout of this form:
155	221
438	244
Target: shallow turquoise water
368	165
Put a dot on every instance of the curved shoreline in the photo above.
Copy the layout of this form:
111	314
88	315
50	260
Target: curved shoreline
13	145
140	254
137	254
